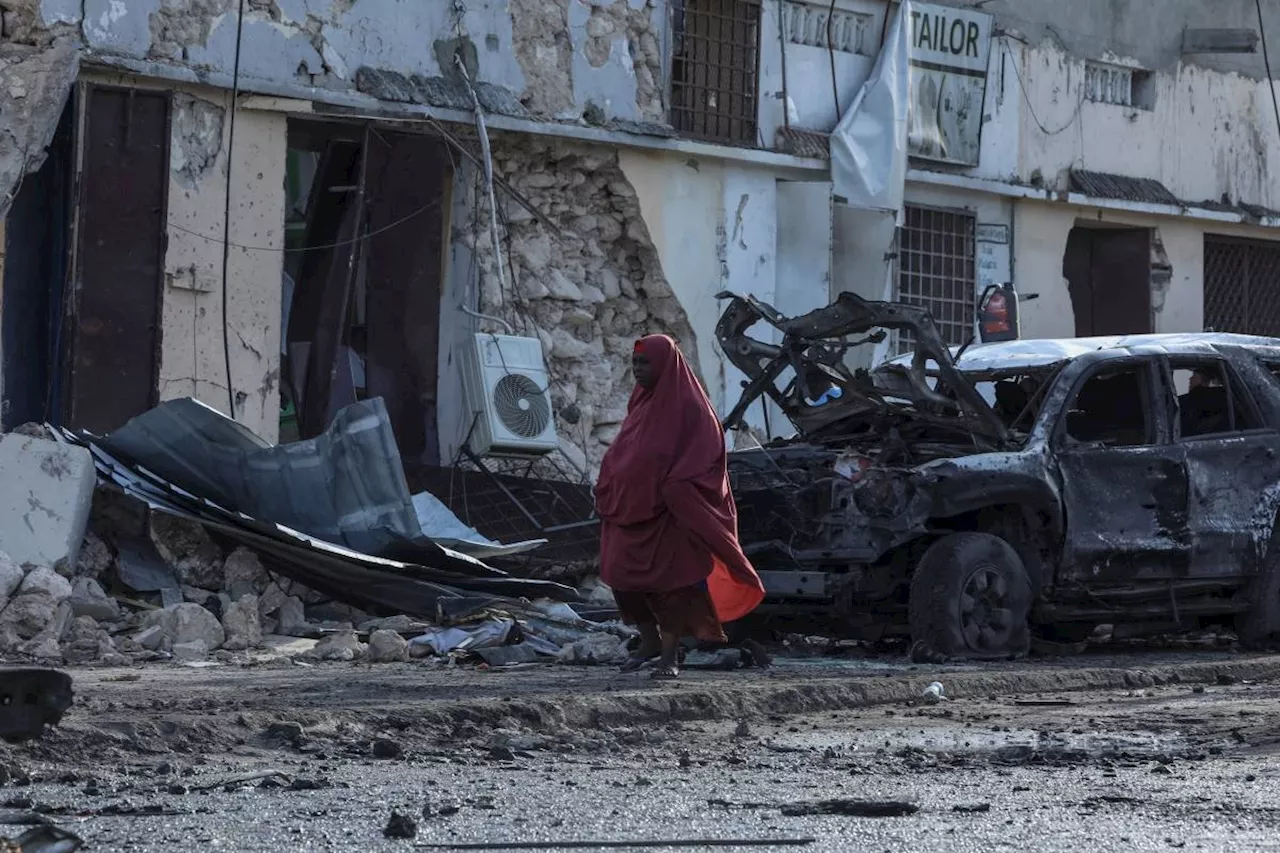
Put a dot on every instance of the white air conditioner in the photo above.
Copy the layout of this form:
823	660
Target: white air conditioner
506	384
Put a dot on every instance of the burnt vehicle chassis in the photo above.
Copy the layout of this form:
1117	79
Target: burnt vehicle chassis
915	505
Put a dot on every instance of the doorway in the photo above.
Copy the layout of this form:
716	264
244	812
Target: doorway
365	237
35	271
1108	273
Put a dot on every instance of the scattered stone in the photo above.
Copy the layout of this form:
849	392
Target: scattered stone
86	642
11	576
44	581
187	623
88	598
972	808
153	638
305	784
386	646
286	730
187	549
386	748
743	730
1226	679
502	753
45	503
177	789
28	615
292	617
401	826
851	808
43	647
339	646
240	621
399	624
243	569
94	558
193	650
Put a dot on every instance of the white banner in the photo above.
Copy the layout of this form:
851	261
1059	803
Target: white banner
869	144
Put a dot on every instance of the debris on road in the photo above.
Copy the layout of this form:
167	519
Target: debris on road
22	719
683	843
45	838
851	808
401	826
933	694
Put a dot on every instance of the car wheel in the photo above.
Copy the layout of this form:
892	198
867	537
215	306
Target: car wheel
970	598
1258	627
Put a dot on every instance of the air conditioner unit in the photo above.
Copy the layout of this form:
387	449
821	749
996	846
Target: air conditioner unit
506	384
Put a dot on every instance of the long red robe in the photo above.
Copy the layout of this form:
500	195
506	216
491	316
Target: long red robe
668	517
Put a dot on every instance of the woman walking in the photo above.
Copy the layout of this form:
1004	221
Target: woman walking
669	528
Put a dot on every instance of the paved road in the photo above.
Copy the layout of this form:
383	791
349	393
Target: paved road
1149	767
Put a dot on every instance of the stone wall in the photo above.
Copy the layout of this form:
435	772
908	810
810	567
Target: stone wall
587	289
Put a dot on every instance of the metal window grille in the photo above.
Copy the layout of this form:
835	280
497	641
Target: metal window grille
1240	286
807	25
1108	84
937	269
715	69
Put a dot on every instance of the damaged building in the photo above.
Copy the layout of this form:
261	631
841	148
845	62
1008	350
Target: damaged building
279	208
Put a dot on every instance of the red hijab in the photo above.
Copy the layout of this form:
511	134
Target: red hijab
669	519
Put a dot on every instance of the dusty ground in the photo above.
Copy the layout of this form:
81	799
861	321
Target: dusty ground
1118	751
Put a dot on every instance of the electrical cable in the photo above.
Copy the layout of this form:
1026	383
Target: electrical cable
1266	59
226	220
385	228
1032	110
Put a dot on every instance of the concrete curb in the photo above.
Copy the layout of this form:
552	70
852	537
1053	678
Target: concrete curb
674	701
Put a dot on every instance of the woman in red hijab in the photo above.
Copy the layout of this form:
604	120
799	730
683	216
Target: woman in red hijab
669	528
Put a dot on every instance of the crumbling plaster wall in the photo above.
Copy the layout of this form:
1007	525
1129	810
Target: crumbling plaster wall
1040	241
1209	136
192	363
561	57
587	288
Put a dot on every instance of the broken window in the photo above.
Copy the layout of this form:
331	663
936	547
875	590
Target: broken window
1111	409
1210	400
365	222
1239	292
715	63
937	269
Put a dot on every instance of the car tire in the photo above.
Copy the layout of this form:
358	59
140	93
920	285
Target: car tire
1259	626
970	598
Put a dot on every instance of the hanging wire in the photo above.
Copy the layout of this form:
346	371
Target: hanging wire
226	218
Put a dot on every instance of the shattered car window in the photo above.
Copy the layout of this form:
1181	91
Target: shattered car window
1210	400
1110	409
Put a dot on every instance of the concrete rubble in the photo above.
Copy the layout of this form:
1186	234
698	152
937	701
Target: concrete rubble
114	583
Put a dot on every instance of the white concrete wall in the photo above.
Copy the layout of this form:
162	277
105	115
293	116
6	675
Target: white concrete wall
716	226
192	362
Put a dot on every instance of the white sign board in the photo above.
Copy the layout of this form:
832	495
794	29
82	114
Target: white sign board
949	51
993	255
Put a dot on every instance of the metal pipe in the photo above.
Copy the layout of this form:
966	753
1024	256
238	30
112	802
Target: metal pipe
782	43
492	319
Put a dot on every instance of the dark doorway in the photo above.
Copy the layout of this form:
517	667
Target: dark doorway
35	267
114	324
1108	272
366	219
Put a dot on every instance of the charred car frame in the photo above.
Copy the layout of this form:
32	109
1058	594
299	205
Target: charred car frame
976	499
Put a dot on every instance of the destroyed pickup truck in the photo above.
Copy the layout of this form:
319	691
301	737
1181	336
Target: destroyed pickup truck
975	500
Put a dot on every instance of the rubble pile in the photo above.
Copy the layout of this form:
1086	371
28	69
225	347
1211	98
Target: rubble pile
103	579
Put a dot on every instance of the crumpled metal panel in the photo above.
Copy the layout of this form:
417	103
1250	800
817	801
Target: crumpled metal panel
207	453
346	486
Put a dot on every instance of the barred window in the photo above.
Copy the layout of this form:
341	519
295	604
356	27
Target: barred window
1242	286
715	65
937	269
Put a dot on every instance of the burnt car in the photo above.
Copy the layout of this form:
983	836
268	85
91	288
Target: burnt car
975	499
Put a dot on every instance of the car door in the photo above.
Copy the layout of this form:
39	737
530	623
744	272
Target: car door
1231	457
1124	482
